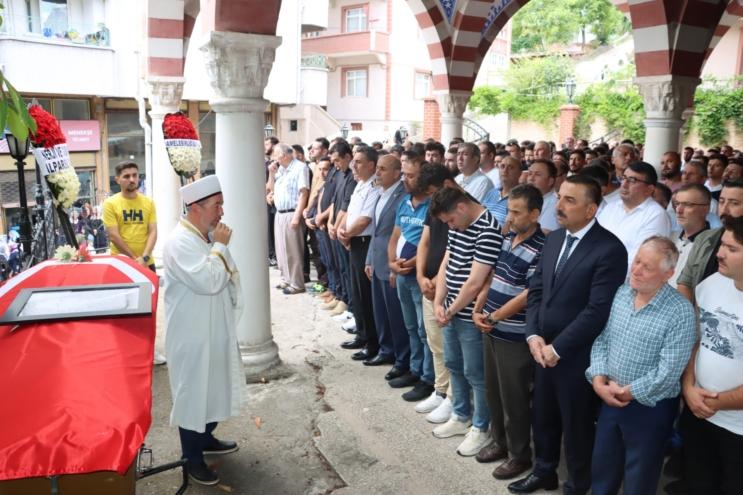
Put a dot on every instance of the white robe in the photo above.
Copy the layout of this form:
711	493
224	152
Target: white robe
202	305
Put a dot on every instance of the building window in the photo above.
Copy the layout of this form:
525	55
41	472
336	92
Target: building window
125	143
293	125
356	82
355	18
54	19
67	109
357	126
207	134
422	85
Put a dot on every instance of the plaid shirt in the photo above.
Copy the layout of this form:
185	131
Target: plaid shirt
646	349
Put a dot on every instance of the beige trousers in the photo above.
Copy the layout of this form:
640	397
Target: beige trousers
289	249
435	337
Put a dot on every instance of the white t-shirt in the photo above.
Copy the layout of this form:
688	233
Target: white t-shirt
719	364
634	226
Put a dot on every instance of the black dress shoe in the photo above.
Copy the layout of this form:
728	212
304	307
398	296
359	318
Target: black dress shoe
533	483
394	373
406	380
362	355
201	474
378	360
353	344
421	390
218	447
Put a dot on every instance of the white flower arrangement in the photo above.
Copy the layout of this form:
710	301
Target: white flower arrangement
65	254
185	155
65	186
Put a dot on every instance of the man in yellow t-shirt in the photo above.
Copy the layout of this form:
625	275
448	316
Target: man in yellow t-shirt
130	218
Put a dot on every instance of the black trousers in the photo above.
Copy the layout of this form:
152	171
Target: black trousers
361	294
565	407
713	455
271	242
193	443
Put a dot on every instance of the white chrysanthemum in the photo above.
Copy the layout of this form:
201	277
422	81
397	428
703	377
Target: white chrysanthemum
65	186
185	160
65	253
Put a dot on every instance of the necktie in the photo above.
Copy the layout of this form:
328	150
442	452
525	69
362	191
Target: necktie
565	255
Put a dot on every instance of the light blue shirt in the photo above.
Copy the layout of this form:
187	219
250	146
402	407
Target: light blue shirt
648	348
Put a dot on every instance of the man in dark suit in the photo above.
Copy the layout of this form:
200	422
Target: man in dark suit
394	343
569	301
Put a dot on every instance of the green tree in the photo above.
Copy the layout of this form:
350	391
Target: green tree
542	23
534	90
620	106
13	112
715	105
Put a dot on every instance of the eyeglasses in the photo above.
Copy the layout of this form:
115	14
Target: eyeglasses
633	180
686	204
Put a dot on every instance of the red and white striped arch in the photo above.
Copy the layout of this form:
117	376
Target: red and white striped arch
677	37
458	47
169	27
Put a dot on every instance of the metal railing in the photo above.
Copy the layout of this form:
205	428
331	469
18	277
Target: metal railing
474	132
605	138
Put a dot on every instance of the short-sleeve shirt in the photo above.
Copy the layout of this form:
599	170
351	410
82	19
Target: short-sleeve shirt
438	235
363	201
496	204
514	268
719	362
132	217
289	182
480	242
328	190
410	219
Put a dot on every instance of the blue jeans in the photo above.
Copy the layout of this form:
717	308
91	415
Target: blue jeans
323	244
421	359
464	360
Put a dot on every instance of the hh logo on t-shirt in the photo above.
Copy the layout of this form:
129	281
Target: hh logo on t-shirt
133	216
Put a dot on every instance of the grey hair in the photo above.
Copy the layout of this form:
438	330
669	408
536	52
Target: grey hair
667	248
284	148
625	148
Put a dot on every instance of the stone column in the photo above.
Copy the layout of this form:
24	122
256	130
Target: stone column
452	106
165	97
238	66
568	117
666	98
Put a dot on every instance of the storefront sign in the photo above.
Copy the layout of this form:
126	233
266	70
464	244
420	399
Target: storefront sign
82	135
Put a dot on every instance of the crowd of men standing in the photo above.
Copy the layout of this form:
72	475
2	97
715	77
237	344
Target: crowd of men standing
520	292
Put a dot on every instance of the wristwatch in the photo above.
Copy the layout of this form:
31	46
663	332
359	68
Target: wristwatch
146	258
490	318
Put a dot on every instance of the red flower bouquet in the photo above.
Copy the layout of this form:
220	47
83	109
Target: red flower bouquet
53	157
182	144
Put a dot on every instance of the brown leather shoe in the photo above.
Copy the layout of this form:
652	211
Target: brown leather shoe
491	453
510	469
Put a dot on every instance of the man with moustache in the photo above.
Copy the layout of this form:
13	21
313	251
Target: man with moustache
702	260
621	157
577	161
568	304
712	420
202	305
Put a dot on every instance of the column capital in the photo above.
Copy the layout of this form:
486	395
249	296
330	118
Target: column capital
238	64
667	96
452	104
165	94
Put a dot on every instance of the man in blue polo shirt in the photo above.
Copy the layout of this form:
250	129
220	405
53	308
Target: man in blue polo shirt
402	250
500	313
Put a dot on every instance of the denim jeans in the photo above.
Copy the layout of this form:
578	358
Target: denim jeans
463	358
421	360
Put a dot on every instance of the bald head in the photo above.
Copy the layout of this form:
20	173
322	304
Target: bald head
389	170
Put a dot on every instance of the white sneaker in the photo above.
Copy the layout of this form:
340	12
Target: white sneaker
159	359
343	316
452	428
428	405
349	325
473	442
442	413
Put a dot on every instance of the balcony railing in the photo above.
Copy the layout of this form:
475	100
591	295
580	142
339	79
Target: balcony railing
61	32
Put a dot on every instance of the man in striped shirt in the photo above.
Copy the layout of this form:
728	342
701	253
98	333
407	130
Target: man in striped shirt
472	249
500	313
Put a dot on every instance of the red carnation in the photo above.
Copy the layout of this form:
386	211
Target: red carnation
48	132
178	126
